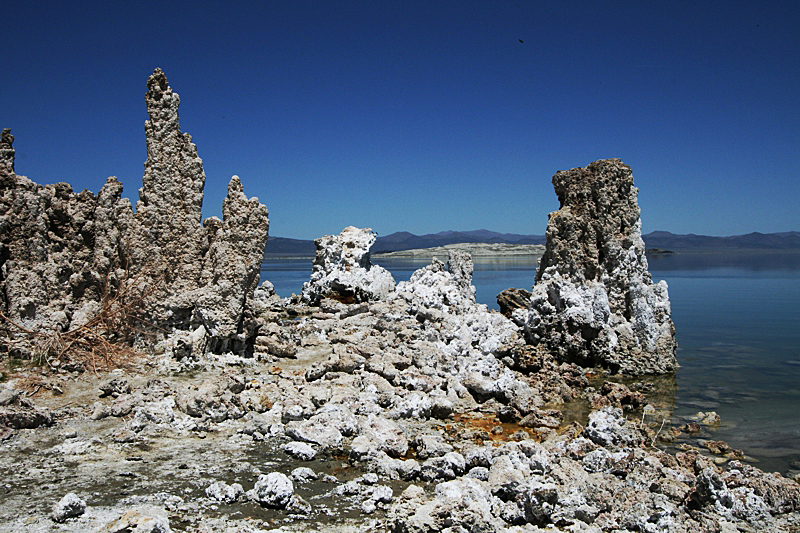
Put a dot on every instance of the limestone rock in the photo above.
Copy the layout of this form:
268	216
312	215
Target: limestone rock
7	150
443	287
69	506
273	490
607	427
299	450
64	255
512	299
343	271
207	270
141	519
222	492
60	251
594	301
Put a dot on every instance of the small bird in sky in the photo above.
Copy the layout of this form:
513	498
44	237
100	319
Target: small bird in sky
520	40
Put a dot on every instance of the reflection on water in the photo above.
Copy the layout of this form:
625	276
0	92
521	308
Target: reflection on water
739	335
738	327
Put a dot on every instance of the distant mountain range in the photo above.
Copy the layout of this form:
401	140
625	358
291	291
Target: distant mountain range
789	240
663	240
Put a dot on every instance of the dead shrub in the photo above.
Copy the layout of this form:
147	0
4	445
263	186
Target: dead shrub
104	341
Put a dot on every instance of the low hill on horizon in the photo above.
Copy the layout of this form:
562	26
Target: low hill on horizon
664	240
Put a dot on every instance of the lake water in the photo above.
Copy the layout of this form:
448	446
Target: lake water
737	317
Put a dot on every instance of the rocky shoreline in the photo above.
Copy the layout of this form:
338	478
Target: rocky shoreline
360	418
203	403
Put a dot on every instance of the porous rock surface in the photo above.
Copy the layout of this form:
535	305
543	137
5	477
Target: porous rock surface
7	150
421	412
594	301
343	271
62	254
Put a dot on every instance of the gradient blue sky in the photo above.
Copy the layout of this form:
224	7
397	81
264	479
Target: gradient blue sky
422	116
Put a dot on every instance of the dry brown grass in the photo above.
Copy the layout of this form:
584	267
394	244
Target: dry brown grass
106	340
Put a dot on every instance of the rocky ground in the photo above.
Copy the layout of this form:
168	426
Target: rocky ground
149	386
420	412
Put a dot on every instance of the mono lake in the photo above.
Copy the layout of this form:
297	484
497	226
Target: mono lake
737	317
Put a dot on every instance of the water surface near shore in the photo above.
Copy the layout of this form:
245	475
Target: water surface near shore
737	316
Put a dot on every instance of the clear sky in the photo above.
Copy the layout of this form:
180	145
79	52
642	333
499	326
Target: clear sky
422	116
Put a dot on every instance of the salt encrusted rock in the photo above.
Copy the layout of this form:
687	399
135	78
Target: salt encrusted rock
465	501
299	450
594	301
142	519
388	436
222	492
316	431
70	506
303	474
63	254
447	288
431	446
608	427
342	269
215	399
272	490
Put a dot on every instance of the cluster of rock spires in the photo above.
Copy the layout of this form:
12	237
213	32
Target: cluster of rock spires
64	255
435	412
447	414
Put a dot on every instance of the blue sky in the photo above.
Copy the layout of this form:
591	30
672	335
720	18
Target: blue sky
422	116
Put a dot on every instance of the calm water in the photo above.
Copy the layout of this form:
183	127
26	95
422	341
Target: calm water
738	324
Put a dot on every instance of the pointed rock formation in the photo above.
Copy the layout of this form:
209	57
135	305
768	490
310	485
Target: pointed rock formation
63	255
205	271
169	211
7	150
594	301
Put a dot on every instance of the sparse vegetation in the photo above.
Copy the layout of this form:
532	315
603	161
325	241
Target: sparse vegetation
104	341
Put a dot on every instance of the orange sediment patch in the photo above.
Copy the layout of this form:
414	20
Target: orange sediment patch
490	427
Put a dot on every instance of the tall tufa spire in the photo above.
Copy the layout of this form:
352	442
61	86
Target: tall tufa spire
7	149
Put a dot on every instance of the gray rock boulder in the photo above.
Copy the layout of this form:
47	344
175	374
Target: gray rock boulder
608	427
273	490
594	301
224	493
70	506
342	269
